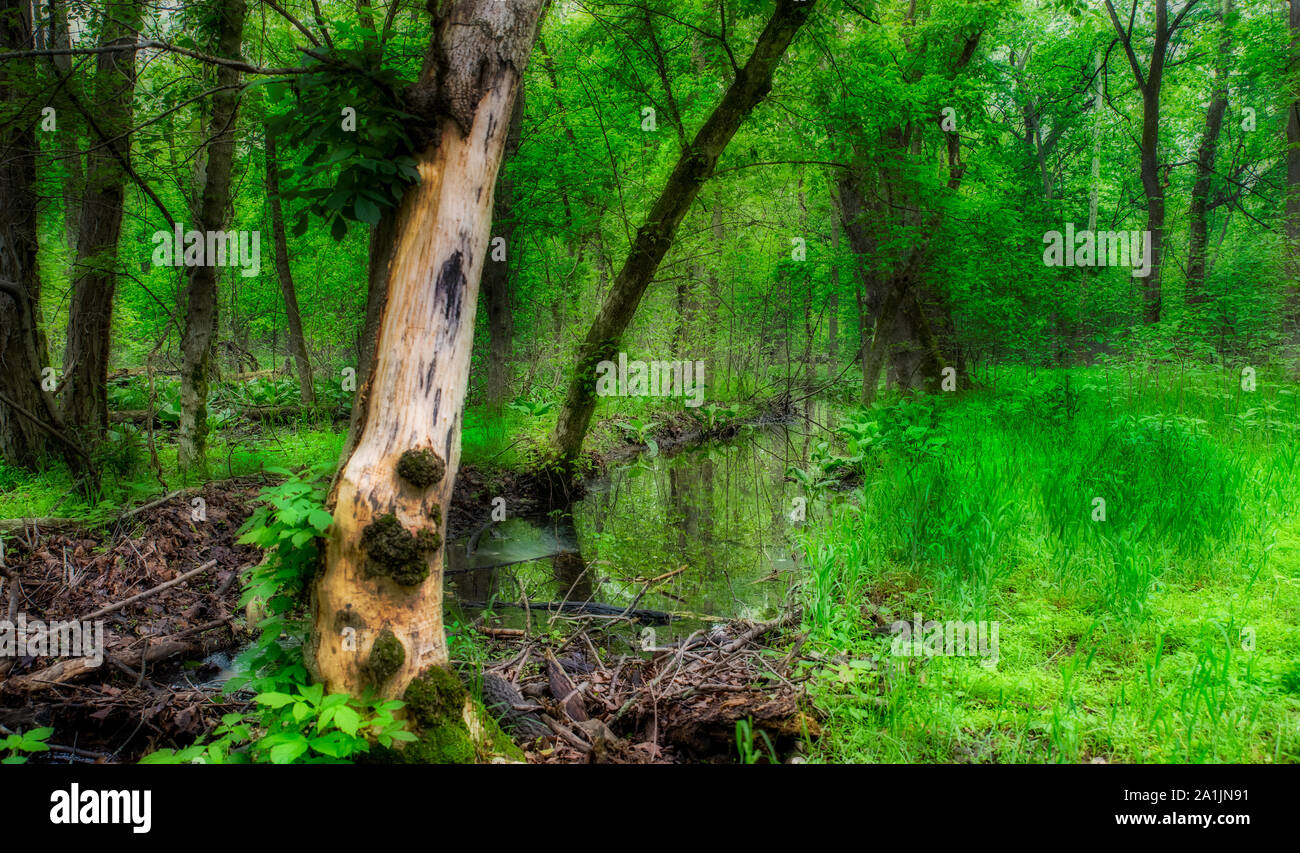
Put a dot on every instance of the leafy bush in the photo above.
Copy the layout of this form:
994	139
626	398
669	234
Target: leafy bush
295	722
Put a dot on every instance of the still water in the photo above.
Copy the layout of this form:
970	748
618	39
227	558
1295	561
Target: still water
715	519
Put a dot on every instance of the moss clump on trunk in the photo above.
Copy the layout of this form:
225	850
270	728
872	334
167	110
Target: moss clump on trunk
395	552
436	703
386	657
421	468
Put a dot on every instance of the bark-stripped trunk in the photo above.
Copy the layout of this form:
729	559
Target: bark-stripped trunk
496	275
378	603
85	359
655	237
1206	152
201	288
27	412
297	343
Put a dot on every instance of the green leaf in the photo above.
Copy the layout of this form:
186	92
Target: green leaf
320	519
286	753
347	720
273	700
367	211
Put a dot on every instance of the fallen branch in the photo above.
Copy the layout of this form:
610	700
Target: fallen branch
151	652
590	608
13	525
103	611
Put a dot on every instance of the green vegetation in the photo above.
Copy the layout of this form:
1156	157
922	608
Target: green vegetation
992	309
1164	633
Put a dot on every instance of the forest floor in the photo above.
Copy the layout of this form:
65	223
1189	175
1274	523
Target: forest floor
169	651
168	654
1157	626
162	653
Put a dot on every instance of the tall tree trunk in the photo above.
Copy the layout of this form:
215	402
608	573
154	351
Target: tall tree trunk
1292	224
201	289
85	360
496	275
297	343
1155	193
28	416
1198	215
69	127
1149	84
833	300
655	237
377	605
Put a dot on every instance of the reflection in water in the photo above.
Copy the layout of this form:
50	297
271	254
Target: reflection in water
719	513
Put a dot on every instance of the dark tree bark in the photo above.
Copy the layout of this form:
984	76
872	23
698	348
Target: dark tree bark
84	391
297	342
1206	152
497	274
1149	83
833	301
69	126
201	287
655	237
382	579
29	419
880	196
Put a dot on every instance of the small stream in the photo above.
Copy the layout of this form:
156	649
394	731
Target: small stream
717	515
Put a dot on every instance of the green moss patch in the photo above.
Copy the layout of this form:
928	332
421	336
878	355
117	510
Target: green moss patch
395	552
421	468
386	657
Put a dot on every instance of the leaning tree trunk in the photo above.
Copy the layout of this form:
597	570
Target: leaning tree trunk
84	390
377	605
29	421
297	343
655	237
201	289
496	275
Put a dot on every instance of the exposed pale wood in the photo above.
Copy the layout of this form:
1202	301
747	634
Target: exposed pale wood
413	396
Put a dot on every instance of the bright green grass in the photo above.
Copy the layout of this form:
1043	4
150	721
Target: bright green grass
1120	640
507	439
51	493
